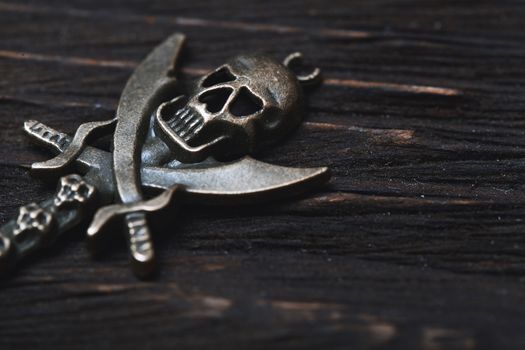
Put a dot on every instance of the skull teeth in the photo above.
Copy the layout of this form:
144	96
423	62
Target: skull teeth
186	123
191	127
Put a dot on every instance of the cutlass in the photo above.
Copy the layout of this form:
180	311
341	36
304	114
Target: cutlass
145	90
169	144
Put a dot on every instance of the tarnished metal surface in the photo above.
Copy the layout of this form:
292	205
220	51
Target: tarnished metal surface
208	182
145	90
242	106
197	146
243	181
75	147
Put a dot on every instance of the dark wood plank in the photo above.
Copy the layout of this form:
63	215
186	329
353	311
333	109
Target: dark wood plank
417	242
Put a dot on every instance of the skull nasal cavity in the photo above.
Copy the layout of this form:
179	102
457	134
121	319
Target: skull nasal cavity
215	99
245	103
223	75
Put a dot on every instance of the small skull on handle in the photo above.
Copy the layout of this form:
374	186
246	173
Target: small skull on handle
32	219
73	190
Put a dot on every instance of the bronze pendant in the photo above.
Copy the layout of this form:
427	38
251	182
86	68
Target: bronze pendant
192	148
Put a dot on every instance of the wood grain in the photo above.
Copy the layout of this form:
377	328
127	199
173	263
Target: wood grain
417	242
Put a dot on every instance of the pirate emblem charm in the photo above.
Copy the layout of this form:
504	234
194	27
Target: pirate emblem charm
194	147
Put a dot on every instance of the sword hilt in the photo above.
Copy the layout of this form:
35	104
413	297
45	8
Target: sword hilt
38	225
140	244
47	136
68	149
137	230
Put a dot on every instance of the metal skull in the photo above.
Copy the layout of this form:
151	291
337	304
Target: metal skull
245	104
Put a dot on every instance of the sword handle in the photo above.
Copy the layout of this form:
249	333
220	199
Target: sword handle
39	225
136	226
140	244
46	136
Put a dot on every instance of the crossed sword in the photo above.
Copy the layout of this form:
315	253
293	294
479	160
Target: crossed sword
122	175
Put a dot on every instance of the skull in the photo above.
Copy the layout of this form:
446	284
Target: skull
73	190
245	104
32	220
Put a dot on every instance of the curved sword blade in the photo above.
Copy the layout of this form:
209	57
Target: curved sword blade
245	180
211	182
149	86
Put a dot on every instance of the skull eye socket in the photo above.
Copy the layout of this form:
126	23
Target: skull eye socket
245	103
215	99
223	75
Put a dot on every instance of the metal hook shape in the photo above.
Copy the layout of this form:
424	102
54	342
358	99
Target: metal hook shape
295	60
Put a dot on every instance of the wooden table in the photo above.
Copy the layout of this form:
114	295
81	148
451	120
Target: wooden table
417	242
